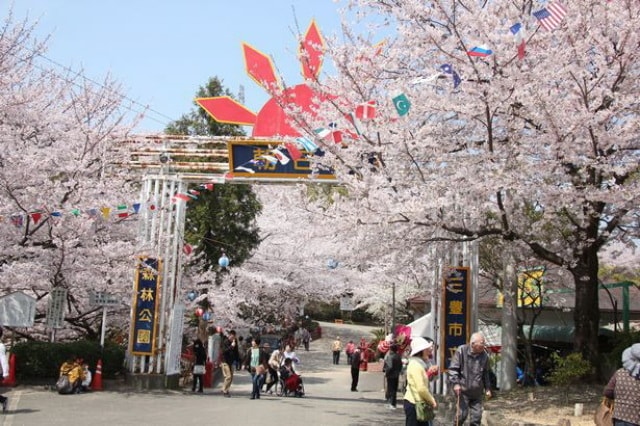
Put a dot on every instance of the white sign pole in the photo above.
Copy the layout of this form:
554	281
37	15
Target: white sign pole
104	326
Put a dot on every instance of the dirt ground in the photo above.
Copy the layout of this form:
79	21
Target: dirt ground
546	405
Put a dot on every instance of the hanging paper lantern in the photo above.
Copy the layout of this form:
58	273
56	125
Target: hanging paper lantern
192	295
206	316
332	264
223	261
199	312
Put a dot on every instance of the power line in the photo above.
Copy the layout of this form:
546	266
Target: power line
145	108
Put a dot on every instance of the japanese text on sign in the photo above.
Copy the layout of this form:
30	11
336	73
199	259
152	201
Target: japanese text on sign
455	312
147	283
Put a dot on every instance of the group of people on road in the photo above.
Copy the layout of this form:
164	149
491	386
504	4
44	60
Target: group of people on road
468	374
265	364
470	380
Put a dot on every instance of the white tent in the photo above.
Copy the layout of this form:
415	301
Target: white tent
422	327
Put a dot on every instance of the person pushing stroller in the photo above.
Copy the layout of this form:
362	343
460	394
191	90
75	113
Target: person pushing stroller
291	381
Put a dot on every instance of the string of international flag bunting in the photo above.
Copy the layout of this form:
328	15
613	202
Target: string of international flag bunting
121	211
549	17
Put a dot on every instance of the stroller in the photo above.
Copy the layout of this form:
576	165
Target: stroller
289	383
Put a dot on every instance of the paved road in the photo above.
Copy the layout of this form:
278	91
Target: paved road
328	400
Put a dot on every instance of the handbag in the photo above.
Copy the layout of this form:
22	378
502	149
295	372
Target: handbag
198	369
424	412
604	413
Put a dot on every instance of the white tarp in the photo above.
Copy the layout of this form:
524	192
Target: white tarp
422	327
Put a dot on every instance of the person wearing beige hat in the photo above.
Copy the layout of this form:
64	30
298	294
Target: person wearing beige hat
418	381
624	389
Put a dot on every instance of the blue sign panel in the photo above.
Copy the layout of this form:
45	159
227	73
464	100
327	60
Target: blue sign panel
276	159
455	312
145	307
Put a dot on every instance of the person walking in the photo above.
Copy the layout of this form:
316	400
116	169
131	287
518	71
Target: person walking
355	369
392	368
306	338
230	356
276	360
241	353
418	381
624	389
469	375
348	350
4	363
336	347
199	365
258	360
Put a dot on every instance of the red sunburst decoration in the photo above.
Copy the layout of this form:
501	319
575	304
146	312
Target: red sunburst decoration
272	120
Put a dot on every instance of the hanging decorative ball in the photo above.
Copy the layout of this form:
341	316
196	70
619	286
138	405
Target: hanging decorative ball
199	312
192	295
206	316
223	261
332	264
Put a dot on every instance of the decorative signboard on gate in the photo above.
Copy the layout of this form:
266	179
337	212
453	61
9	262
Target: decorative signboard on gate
455	313
146	298
274	159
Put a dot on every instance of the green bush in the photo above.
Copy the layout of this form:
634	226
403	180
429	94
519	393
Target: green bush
42	360
569	369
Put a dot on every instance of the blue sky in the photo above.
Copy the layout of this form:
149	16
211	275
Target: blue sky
161	51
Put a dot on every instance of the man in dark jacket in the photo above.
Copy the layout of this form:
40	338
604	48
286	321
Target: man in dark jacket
355	370
392	369
230	355
469	376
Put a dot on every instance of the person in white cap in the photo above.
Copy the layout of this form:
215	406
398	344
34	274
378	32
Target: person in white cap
418	381
624	388
469	374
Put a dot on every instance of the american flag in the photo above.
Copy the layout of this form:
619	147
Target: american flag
551	16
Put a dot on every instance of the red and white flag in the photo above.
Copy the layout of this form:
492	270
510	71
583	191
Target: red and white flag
293	150
366	111
283	159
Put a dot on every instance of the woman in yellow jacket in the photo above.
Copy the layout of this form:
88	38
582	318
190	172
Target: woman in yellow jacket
72	368
418	381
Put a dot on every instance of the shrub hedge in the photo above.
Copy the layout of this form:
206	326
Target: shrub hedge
42	360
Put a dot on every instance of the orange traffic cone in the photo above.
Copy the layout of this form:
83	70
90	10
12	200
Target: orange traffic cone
11	379
96	382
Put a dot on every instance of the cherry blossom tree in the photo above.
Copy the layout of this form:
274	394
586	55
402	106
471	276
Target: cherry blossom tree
489	121
67	208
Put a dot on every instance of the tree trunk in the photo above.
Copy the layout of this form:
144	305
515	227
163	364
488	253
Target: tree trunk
586	315
509	327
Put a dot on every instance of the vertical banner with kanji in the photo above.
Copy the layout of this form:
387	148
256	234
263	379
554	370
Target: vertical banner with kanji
145	306
455	324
